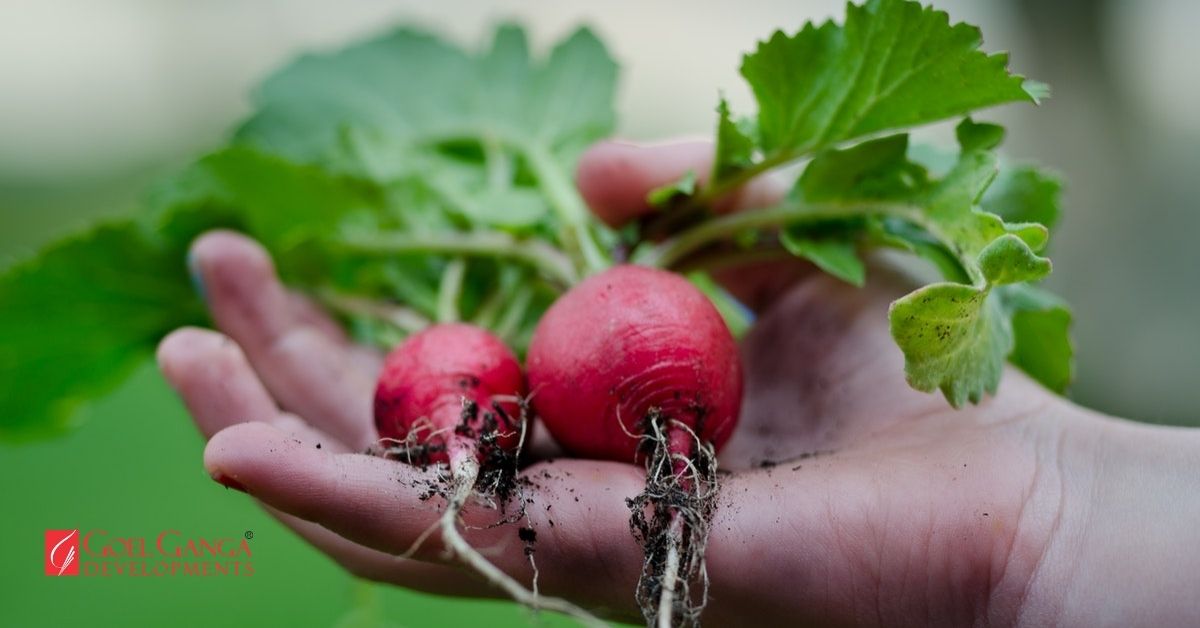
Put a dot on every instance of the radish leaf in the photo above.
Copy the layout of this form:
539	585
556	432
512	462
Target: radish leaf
893	64
79	317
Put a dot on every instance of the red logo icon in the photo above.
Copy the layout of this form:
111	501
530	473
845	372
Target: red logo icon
62	552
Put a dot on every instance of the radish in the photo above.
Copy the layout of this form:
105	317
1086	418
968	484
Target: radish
453	394
635	364
442	388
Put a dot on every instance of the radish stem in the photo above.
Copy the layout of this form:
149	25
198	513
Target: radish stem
405	319
450	290
675	250
464	470
546	259
570	207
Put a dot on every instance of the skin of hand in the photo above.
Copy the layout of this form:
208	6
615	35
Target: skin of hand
853	499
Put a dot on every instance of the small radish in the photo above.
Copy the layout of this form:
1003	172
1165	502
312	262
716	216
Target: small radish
636	364
442	388
453	394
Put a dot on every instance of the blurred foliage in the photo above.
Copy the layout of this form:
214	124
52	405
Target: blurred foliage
135	469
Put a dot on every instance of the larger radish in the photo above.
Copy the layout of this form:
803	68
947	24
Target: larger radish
636	364
452	394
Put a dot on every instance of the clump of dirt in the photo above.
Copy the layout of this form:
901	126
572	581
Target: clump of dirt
498	482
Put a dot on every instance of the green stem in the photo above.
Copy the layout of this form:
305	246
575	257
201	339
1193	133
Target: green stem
555	184
510	321
737	317
486	314
717	190
565	200
545	259
405	319
450	290
674	251
497	163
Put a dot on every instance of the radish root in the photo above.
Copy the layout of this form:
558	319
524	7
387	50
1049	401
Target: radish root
670	576
466	478
671	519
464	469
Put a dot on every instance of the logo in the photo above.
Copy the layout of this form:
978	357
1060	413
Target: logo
62	552
96	552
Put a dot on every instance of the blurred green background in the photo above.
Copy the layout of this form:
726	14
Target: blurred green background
99	98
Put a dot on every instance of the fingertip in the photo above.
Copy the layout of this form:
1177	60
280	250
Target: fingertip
235	451
228	264
601	167
221	242
170	349
614	177
243	292
180	350
213	378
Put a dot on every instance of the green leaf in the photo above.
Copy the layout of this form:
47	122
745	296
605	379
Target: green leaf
416	90
894	64
76	319
872	170
470	126
1025	193
951	213
682	187
1042	345
838	257
955	335
276	201
955	338
1008	260
513	208
735	143
974	136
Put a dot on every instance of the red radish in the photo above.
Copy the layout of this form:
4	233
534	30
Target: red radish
627	341
426	381
636	364
452	394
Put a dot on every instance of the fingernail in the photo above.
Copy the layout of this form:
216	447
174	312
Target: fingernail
197	279
228	482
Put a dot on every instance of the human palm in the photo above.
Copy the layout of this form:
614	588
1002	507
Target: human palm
852	499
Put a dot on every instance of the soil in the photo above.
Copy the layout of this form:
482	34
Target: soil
498	478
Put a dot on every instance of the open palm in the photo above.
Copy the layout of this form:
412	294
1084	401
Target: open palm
852	499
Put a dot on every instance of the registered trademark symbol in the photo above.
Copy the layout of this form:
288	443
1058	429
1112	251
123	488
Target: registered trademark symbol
249	534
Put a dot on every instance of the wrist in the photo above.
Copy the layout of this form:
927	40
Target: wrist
1122	547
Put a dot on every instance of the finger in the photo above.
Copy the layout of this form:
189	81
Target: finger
369	360
378	566
220	390
615	177
307	371
583	551
541	444
216	383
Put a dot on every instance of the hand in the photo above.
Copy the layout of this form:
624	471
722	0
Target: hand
853	499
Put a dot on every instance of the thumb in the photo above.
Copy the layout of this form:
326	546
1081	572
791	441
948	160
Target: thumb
615	177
